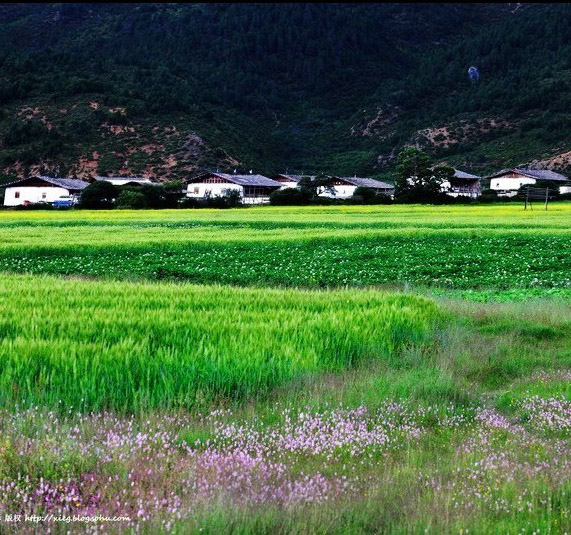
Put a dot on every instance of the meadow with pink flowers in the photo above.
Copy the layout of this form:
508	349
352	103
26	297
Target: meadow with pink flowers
134	404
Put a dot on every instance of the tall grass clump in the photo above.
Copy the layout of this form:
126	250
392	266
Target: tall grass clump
135	346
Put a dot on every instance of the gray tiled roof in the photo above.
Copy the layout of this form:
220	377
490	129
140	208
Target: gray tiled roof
296	178
67	183
538	174
365	182
242	180
541	174
499	173
124	179
462	174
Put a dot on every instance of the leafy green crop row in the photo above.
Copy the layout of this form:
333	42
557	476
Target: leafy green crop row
440	259
479	247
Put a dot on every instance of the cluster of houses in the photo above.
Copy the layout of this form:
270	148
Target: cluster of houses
256	189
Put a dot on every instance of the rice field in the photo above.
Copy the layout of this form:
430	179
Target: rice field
327	370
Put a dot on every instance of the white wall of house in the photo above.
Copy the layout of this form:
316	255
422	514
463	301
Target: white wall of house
343	192
458	191
286	185
471	194
510	184
199	190
337	192
256	200
122	182
16	196
564	189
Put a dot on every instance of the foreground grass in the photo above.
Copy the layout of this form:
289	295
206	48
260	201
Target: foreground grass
466	433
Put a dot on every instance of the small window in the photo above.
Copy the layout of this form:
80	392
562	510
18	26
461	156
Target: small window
44	195
16	195
196	190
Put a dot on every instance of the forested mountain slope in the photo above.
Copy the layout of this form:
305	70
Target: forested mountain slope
165	90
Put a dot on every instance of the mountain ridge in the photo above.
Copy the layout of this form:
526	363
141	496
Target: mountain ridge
167	90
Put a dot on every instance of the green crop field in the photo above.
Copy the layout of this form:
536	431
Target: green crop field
452	247
385	369
139	346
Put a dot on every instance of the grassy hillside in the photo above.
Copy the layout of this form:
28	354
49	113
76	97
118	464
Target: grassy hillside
167	89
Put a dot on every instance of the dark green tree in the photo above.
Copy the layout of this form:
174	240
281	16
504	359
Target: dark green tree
316	185
365	195
417	180
291	197
99	195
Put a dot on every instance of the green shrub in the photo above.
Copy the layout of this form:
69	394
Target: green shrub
34	206
231	199
291	197
130	199
364	195
98	196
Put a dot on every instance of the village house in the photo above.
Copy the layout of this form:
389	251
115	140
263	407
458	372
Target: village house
290	181
124	181
253	189
339	187
508	181
42	189
462	185
344	187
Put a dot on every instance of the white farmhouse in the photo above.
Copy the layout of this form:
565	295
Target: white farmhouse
338	187
342	187
508	181
38	189
253	189
124	181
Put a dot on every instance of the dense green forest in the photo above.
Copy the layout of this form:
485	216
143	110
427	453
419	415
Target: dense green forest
168	89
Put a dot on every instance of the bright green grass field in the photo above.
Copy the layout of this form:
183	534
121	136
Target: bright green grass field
131	346
134	345
458	247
